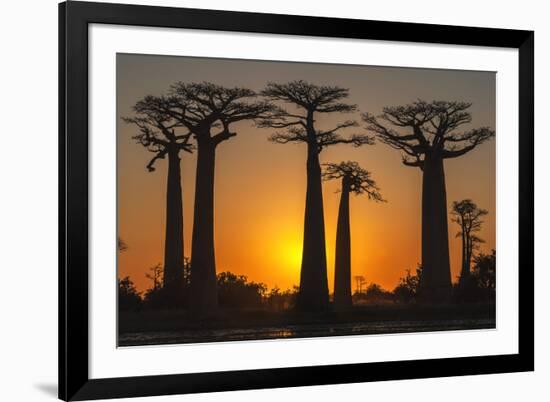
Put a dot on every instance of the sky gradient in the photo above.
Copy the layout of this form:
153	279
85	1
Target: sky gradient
260	186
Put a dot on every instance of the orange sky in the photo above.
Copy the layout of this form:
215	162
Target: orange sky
260	186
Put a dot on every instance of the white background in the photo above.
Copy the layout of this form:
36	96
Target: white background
28	206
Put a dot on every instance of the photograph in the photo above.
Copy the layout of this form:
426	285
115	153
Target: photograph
268	199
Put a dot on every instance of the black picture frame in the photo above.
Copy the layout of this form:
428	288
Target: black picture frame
74	381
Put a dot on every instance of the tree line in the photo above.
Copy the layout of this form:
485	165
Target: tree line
238	292
199	117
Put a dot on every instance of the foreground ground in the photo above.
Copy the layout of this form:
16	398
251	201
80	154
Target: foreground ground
169	327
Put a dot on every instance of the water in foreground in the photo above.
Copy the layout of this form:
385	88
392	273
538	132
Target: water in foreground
156	328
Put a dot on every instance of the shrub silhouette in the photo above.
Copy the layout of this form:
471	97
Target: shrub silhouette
129	298
234	291
277	300
407	289
481	284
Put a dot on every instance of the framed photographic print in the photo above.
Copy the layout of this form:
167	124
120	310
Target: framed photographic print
256	200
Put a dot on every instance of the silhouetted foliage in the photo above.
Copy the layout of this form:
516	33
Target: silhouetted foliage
167	297
426	134
485	270
373	294
407	289
235	291
277	300
299	124
469	217
481	283
129	298
356	180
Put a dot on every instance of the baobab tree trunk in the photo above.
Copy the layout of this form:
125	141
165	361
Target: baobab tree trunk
435	285
203	265
313	295
173	244
342	262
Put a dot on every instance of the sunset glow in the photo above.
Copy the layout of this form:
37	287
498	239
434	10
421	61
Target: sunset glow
260	186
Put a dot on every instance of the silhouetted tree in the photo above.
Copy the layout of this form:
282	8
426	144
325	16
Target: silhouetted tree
207	111
426	135
157	133
469	217
129	298
356	180
307	101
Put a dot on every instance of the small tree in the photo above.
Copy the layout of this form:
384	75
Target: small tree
164	136
470	218
306	102
426	134
354	179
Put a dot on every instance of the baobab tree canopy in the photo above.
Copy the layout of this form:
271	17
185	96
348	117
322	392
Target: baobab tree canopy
157	129
356	179
425	129
309	99
427	133
306	101
201	107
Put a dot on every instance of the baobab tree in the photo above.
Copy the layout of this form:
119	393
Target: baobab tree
470	218
426	134
354	179
306	101
164	136
207	111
